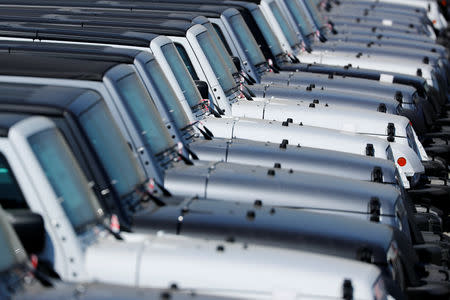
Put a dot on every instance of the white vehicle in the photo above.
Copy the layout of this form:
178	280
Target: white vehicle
22	279
430	6
158	156
404	25
356	59
184	125
269	130
197	40
82	249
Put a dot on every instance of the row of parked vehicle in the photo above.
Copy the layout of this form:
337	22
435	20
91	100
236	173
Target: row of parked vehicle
221	149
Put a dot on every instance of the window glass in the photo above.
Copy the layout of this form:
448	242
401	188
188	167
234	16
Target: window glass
268	33
187	62
221	36
185	80
285	26
11	196
312	8
144	113
116	157
218	65
221	47
66	178
167	94
300	17
246	40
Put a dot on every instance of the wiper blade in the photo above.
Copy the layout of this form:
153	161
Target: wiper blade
186	160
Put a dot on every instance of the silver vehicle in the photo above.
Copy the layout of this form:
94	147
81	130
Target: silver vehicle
159	156
207	147
369	58
375	62
430	7
24	279
82	250
291	43
283	111
288	228
385	15
245	128
404	25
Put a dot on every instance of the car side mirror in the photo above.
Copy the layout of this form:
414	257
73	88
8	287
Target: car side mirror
203	88
30	229
237	63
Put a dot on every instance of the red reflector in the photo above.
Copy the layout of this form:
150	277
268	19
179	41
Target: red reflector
401	161
34	261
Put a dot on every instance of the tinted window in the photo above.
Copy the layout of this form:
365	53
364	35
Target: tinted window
65	177
246	40
288	31
144	113
10	195
187	61
300	17
167	94
221	36
267	31
312	8
218	65
221	47
186	81
111	147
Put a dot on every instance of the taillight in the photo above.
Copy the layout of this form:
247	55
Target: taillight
401	161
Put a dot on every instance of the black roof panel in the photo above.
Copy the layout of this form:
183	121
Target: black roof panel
38	95
86	52
118	5
52	67
172	27
45	31
7	120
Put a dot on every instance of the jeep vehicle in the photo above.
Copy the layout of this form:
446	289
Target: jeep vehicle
207	147
224	218
22	277
161	161
82	248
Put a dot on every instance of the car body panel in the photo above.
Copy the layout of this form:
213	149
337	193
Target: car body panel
297	158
